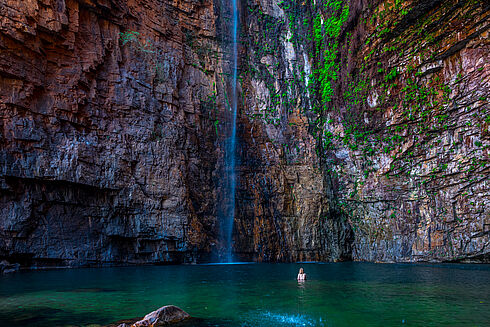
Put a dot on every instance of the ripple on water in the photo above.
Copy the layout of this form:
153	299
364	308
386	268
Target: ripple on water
269	318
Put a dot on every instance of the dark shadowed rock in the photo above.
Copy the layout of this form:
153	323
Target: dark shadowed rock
6	267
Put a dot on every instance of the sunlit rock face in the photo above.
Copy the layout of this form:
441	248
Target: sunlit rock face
287	209
366	133
410	116
363	130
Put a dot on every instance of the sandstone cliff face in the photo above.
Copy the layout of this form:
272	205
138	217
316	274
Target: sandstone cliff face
108	152
287	210
363	130
406	133
369	121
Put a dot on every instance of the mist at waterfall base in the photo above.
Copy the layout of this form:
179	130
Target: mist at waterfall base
253	295
227	210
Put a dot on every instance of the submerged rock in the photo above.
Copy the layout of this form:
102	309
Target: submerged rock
6	267
165	315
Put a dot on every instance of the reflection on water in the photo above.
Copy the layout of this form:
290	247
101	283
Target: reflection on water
288	319
227	263
337	294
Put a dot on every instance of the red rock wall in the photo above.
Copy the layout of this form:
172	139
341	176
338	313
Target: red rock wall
373	116
287	211
414	182
107	151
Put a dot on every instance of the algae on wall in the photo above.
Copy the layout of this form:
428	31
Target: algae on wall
395	95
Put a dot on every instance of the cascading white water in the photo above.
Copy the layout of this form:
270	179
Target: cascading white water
232	150
227	207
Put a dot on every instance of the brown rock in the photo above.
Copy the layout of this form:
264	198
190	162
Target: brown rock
100	163
163	316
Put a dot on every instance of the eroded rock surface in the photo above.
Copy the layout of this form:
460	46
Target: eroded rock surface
6	267
107	151
409	119
163	316
369	122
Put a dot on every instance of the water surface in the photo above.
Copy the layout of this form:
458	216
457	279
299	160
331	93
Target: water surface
336	294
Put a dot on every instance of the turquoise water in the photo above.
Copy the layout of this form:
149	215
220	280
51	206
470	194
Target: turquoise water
336	294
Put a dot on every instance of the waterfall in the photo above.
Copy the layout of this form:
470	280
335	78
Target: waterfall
230	155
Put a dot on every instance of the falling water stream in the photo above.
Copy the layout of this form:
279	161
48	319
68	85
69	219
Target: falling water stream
230	156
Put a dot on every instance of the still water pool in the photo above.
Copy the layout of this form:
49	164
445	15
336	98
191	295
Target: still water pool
335	294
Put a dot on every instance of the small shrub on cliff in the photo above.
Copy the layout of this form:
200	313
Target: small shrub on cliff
135	38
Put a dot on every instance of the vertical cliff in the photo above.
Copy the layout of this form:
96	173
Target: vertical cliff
363	130
405	125
288	210
366	130
107	128
377	112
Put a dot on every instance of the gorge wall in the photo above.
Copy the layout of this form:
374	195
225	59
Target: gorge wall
108	151
363	130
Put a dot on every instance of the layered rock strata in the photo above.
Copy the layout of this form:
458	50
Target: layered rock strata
107	145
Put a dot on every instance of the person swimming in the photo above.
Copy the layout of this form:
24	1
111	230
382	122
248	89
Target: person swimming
301	275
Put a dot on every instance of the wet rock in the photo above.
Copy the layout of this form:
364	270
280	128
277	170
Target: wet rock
163	316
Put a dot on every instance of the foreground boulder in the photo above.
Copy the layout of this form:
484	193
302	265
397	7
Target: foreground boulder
165	315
